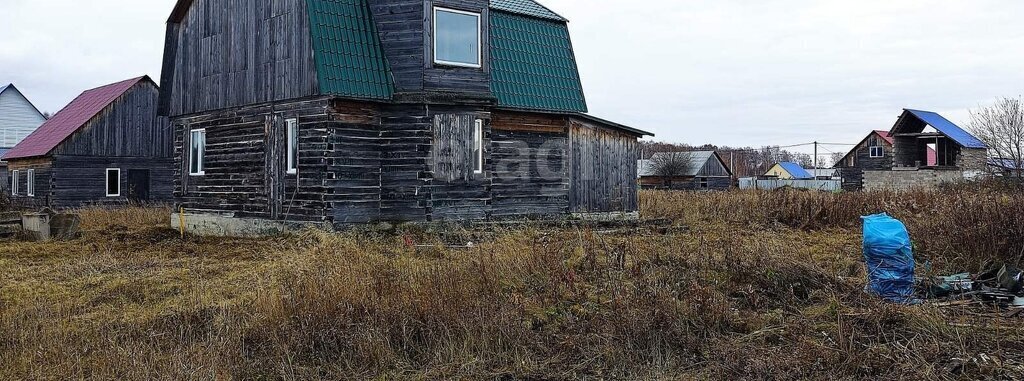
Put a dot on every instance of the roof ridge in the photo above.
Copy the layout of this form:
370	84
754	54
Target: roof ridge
116	83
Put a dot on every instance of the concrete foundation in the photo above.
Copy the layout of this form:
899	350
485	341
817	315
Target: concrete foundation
226	226
910	179
607	217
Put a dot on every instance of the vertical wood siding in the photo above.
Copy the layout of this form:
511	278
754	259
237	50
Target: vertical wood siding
456	192
713	168
453	147
128	127
603	173
229	53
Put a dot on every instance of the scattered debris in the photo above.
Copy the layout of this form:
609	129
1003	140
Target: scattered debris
999	285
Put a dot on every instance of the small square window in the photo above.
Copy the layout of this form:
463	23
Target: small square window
113	182
877	152
197	153
457	38
293	146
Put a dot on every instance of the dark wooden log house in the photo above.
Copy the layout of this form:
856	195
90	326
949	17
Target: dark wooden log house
354	111
106	147
703	170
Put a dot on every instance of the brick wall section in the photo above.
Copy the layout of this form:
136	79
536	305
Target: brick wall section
906	180
972	160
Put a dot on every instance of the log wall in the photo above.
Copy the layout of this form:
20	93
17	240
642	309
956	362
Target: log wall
365	162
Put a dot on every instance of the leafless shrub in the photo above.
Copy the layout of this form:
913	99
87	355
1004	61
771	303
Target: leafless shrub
1001	126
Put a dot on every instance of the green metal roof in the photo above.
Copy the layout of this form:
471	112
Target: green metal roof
533	65
347	50
526	7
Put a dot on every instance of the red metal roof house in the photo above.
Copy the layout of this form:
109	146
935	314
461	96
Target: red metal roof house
105	147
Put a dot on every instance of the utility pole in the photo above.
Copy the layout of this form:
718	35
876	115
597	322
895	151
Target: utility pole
732	163
815	156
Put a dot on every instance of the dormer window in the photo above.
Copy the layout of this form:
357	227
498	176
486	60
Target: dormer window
457	38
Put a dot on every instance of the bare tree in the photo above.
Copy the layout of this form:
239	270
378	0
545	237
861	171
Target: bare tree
803	159
1001	126
837	157
670	165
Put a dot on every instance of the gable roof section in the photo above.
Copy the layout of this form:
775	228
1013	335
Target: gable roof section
885	136
347	50
10	86
914	121
533	66
75	115
526	8
796	170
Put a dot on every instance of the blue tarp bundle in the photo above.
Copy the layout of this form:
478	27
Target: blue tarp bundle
889	255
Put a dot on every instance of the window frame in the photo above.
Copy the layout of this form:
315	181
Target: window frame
14	182
871	151
292	135
478	146
201	156
30	182
479	38
106	181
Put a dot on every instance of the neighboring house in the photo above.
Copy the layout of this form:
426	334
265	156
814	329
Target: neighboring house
704	170
874	153
954	148
788	171
351	111
1006	167
106	147
18	118
923	149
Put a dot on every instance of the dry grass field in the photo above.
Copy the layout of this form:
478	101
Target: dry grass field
729	285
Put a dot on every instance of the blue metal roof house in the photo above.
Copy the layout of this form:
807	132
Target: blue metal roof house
956	148
789	171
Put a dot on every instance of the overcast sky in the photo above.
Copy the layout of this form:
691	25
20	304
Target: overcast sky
728	72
